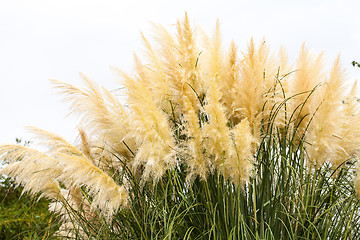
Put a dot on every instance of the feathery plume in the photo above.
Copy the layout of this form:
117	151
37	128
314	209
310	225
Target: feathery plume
151	131
240	163
180	61
54	142
230	77
155	70
325	131
309	74
36	171
107	195
251	89
189	54
349	139
217	134
213	57
101	114
196	160
66	164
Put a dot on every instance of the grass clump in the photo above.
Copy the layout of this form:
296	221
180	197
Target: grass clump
210	145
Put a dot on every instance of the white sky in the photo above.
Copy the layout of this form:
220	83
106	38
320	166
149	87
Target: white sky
57	39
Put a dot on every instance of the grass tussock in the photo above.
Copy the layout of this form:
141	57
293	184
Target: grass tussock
211	144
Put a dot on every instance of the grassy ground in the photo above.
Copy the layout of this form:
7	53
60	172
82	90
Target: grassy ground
21	217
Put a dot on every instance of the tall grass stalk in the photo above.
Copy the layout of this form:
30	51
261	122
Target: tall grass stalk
210	145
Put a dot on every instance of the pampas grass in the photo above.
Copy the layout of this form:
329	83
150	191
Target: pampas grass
211	144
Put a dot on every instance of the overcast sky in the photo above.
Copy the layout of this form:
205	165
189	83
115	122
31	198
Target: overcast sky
48	39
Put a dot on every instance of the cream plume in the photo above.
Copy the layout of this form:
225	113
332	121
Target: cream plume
151	131
196	160
66	164
240	163
308	76
230	76
255	86
217	133
33	169
325	128
101	114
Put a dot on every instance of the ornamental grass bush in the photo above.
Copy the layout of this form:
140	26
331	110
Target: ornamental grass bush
211	144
